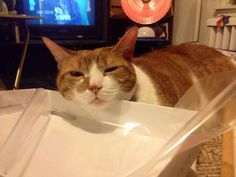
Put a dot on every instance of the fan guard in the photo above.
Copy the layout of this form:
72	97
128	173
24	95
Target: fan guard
146	11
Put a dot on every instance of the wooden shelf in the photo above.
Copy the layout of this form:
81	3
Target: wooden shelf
225	7
213	21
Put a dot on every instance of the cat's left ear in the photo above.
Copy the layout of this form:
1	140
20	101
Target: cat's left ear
127	43
60	54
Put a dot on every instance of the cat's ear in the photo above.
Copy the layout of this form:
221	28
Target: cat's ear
127	43
60	54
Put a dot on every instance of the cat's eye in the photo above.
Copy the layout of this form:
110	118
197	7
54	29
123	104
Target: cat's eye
76	73
110	69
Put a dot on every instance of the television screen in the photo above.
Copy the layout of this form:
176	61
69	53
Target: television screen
66	19
61	12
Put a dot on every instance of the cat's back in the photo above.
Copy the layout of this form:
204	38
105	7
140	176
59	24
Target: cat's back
199	59
174	69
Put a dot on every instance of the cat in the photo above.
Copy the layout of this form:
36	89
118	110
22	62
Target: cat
100	76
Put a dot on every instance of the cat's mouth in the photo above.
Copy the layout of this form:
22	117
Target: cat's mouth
97	101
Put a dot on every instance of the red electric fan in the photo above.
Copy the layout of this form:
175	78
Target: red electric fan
146	12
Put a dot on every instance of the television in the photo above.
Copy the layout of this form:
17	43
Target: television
67	19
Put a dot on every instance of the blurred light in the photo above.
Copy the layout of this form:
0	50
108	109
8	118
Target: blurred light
127	127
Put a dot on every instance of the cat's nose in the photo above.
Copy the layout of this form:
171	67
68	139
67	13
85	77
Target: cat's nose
95	88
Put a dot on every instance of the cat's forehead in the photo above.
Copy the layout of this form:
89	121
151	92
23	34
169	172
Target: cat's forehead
84	60
100	56
90	56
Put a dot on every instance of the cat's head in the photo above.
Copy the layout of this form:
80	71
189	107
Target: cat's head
96	77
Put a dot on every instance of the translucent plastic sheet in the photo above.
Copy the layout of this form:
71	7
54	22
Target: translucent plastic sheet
214	98
10	102
74	141
24	134
57	138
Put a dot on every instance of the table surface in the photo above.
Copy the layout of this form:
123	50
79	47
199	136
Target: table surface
17	17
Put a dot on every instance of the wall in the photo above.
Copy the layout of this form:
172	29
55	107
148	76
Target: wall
207	11
185	20
186	16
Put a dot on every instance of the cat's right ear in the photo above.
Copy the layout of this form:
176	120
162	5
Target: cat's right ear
60	54
127	43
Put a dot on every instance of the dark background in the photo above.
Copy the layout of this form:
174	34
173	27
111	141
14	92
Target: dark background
40	69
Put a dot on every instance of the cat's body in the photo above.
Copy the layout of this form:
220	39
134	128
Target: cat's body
98	77
174	69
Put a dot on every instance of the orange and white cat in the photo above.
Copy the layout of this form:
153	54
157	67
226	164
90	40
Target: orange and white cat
100	76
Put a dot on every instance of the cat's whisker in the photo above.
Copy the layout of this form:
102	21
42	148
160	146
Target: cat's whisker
113	91
110	92
110	89
85	96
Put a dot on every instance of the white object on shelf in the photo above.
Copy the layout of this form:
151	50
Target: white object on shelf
222	37
226	38
219	37
212	37
232	45
146	31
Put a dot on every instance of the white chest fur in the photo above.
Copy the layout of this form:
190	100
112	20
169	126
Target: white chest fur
145	90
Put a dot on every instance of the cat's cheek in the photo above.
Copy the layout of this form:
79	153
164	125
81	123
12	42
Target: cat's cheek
110	89
66	93
68	96
127	95
83	97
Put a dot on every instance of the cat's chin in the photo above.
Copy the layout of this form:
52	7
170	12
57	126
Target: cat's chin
94	103
99	104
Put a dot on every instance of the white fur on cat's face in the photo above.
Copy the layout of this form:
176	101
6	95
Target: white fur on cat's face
109	90
96	77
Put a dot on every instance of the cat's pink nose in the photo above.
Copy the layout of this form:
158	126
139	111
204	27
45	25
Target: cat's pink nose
95	88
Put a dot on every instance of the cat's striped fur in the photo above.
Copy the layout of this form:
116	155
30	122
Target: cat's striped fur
100	76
